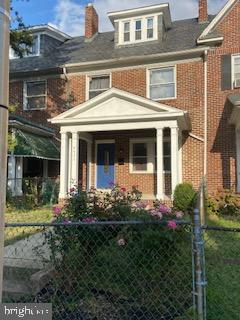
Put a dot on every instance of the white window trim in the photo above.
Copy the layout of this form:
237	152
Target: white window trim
89	76
233	69
25	97
11	51
175	82
144	29
151	157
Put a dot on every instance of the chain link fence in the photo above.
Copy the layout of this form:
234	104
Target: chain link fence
222	252
103	270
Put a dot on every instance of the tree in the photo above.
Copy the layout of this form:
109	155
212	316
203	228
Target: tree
20	36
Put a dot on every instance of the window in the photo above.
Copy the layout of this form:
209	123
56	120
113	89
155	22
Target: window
35	95
126	37
150	28
143	154
34	50
162	83
98	85
236	71
139	157
138	30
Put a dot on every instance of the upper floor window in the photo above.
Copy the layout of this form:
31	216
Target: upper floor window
236	71
35	95
34	50
162	83
98	84
138	30
150	28
126	32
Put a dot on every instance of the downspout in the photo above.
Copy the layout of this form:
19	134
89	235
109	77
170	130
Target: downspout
205	57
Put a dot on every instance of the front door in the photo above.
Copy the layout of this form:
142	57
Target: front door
105	165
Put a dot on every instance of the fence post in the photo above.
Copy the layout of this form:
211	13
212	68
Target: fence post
199	267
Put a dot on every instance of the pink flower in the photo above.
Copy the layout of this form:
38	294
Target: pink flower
172	225
121	242
156	213
179	215
57	211
123	189
72	190
164	209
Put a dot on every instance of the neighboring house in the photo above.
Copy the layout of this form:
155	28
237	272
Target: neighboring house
153	103
36	153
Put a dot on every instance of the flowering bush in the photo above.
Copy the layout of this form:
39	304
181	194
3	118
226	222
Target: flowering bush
118	204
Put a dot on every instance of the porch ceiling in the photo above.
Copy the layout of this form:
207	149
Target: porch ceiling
117	109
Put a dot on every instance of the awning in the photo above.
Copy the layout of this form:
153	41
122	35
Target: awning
35	146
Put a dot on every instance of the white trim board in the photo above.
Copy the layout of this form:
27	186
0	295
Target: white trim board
218	18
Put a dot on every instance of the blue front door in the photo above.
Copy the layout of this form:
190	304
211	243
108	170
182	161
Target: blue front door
105	165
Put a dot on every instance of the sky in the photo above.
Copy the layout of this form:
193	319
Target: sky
68	15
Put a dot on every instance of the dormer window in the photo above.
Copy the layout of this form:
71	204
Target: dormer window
34	50
150	28
138	30
126	36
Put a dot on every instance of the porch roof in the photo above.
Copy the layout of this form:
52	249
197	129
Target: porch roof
119	110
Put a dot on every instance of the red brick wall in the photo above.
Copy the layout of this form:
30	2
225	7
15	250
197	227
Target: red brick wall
221	135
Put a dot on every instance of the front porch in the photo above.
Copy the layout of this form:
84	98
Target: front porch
124	139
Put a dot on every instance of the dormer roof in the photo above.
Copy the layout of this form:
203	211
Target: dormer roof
51	31
154	9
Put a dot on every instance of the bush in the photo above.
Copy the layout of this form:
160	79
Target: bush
224	203
185	197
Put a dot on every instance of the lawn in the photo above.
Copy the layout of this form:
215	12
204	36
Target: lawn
13	234
223	270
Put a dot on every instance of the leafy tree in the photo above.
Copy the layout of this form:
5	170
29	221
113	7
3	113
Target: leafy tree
20	36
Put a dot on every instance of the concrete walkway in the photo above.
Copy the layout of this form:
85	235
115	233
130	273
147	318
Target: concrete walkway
30	253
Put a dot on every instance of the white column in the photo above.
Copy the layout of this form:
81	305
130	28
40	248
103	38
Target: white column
75	159
89	165
19	176
70	164
64	165
238	157
160	180
174	158
12	173
180	139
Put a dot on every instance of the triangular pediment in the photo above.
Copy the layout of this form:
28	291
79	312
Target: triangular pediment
115	103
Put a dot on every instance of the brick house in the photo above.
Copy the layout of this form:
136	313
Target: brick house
152	103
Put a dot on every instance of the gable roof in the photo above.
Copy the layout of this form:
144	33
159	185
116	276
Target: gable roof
209	30
182	36
114	106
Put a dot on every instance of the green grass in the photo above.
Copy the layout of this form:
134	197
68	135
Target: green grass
13	234
223	269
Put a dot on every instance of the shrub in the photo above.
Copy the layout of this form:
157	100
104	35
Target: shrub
224	203
185	197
